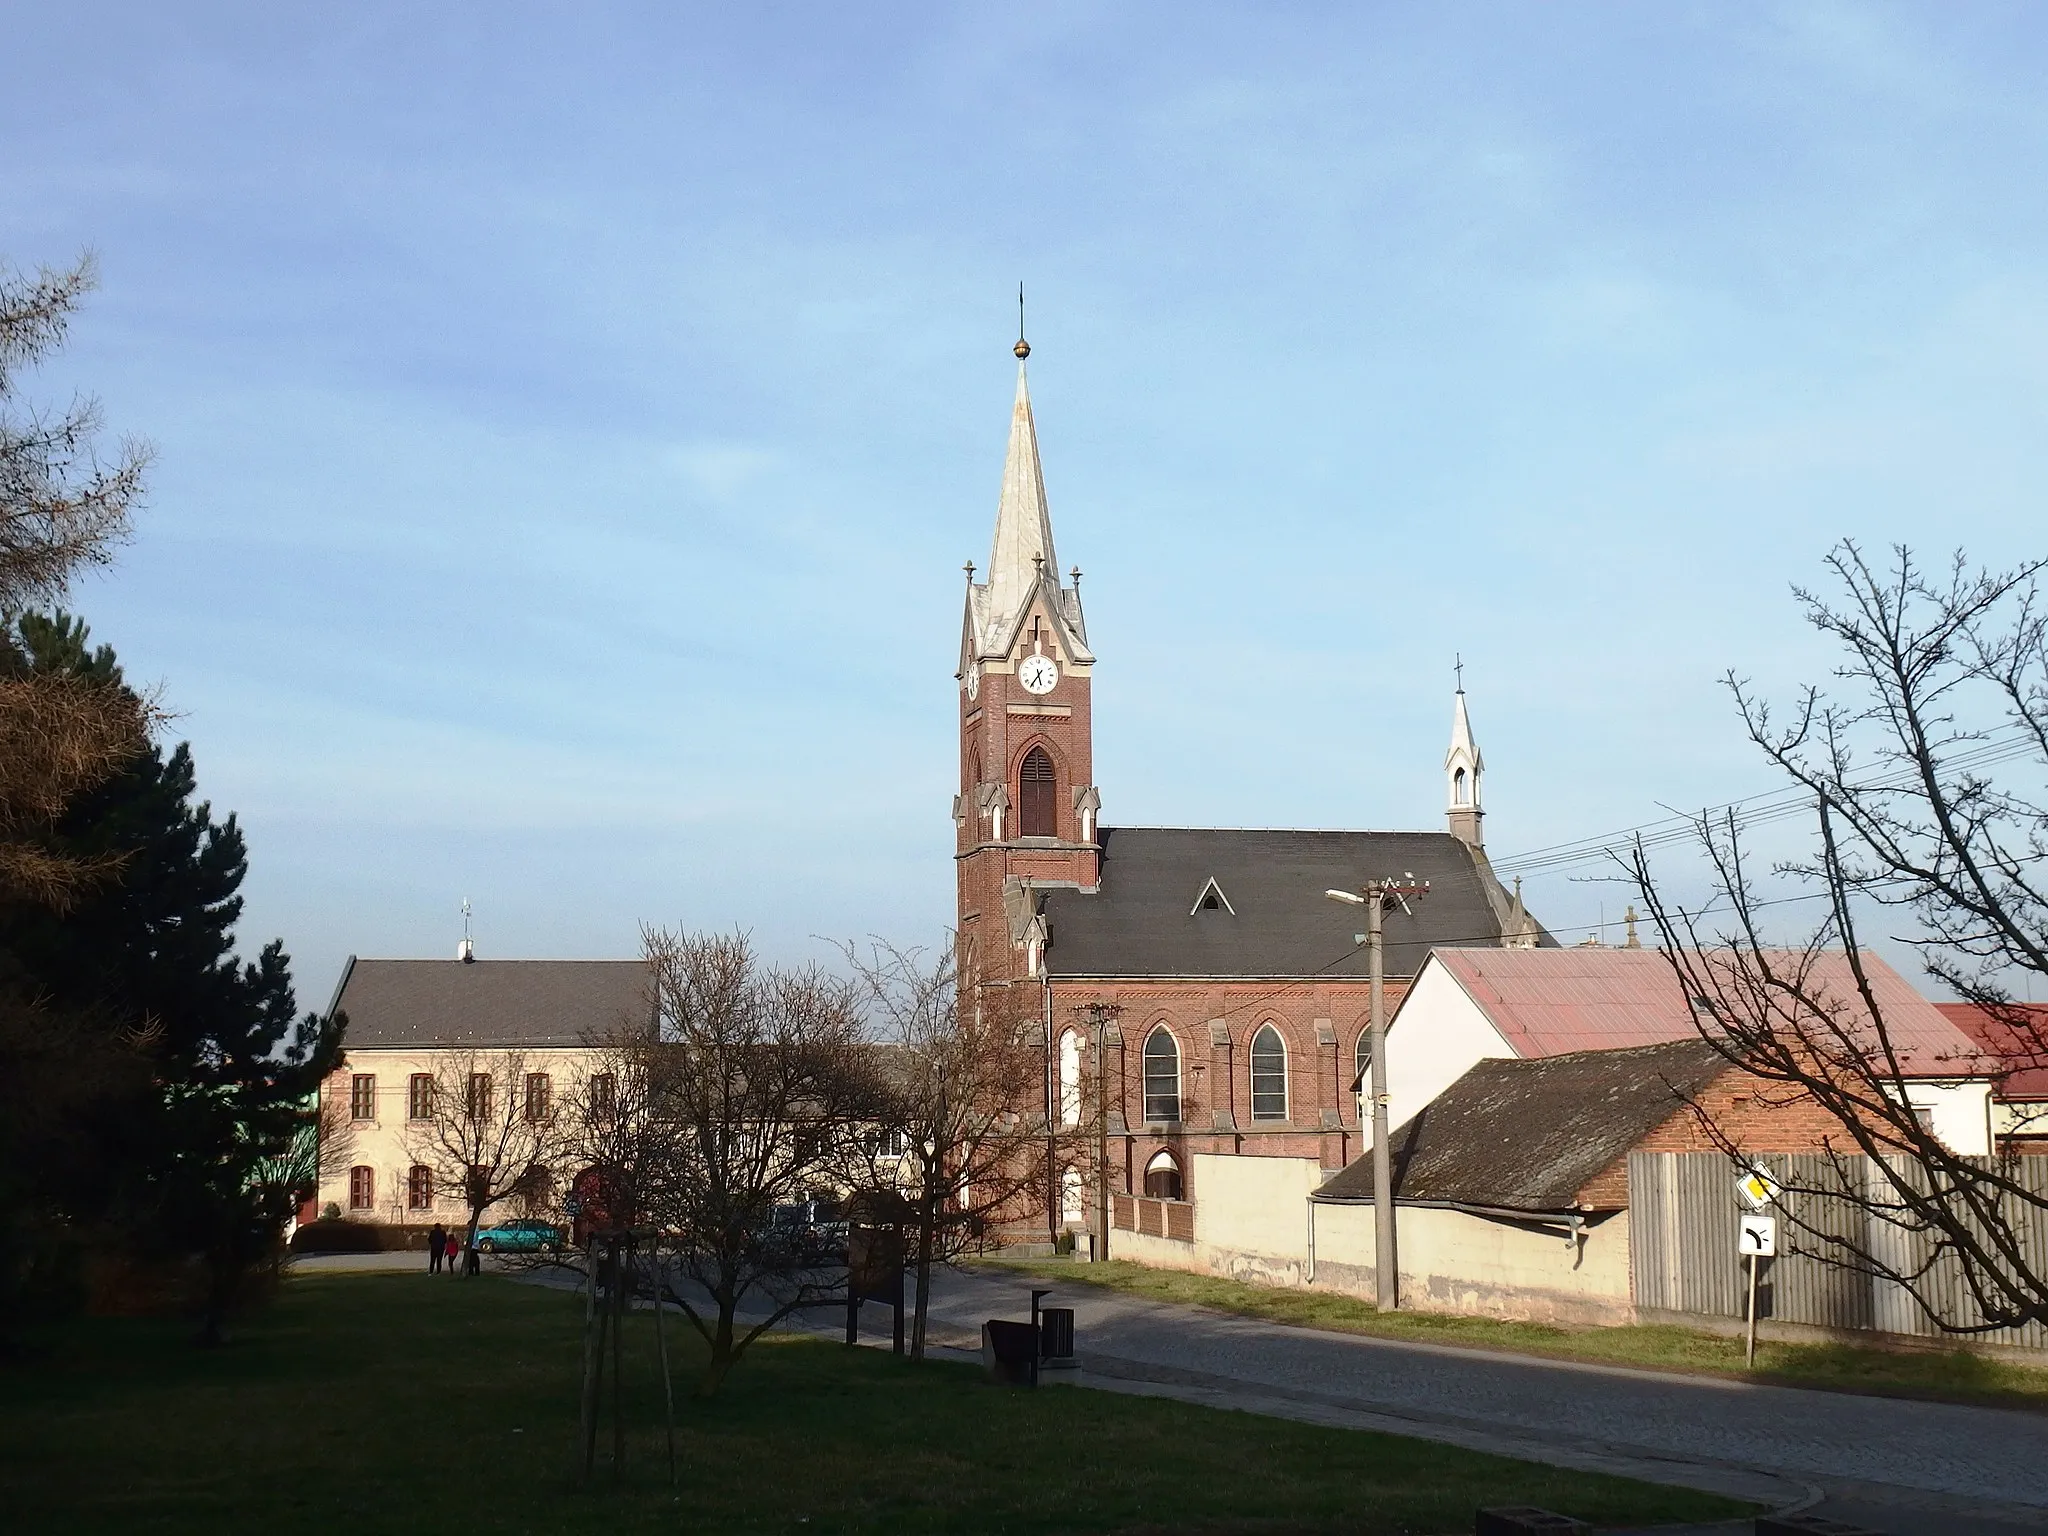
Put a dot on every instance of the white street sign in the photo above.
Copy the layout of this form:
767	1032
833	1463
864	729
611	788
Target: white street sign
1755	1188
1758	1237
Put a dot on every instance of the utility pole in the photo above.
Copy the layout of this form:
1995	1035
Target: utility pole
1386	1257
1099	1017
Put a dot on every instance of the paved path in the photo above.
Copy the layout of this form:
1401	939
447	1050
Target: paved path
1898	1466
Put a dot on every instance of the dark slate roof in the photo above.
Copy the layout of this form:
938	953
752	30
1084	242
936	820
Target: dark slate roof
492	1002
1529	1135
1140	921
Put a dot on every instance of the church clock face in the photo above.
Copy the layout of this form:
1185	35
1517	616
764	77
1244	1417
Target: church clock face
1038	674
973	680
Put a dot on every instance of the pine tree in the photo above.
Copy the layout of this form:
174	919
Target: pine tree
150	954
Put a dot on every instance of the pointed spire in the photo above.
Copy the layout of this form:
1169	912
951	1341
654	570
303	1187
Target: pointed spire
1463	769
1461	728
1023	546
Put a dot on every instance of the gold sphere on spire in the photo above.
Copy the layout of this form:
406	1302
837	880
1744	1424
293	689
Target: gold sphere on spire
1022	349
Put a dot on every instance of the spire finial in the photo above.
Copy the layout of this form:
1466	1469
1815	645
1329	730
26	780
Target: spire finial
969	569
1458	666
1023	347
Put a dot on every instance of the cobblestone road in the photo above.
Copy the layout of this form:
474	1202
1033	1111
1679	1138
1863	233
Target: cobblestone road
1897	1465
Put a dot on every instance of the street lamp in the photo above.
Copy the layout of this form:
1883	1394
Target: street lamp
1374	899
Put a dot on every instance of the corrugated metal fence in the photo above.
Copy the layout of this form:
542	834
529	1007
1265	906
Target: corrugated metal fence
1683	1220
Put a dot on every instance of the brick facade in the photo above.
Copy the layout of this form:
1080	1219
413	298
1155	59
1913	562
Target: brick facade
1213	1024
1757	1116
1000	725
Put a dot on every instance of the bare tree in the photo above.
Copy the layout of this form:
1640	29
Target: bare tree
63	507
1943	680
967	1080
751	1097
491	1132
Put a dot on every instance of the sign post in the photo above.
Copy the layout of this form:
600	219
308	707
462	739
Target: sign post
1757	1240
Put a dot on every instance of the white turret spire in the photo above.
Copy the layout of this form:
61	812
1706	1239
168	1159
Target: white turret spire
1463	768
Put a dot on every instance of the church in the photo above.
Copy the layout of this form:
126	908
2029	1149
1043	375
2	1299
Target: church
1225	991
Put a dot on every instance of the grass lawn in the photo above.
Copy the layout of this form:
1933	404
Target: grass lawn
1953	1375
405	1403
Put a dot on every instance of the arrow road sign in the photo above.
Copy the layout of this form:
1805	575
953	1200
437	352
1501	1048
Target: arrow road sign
1758	1237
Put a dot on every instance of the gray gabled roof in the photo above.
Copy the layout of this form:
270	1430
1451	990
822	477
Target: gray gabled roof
492	1003
1530	1135
1143	921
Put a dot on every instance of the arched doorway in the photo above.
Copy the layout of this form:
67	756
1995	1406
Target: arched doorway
1162	1177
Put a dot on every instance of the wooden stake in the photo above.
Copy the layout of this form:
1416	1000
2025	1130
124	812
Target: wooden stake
668	1391
592	1359
619	1278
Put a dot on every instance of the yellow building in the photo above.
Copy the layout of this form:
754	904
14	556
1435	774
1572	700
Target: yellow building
530	1030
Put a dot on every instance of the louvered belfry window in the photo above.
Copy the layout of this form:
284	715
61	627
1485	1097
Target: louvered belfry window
1036	816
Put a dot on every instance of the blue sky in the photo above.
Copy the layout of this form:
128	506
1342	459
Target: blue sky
572	419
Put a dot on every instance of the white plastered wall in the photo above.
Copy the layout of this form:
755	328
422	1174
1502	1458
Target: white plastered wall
1252	1222
2022	1117
1436	1037
1482	1266
1960	1113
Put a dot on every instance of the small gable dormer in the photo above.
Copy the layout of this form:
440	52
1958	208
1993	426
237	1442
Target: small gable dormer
1211	899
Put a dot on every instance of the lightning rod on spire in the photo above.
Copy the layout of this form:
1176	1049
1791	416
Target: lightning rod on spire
1023	347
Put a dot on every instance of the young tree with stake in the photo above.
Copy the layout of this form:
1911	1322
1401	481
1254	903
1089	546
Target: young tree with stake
751	1097
967	1092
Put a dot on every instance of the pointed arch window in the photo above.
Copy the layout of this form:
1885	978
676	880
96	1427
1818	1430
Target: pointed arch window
1361	1062
1269	1075
1070	1078
1461	788
1036	796
1162	1075
1162	1177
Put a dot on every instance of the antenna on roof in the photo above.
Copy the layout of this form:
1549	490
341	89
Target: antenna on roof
466	952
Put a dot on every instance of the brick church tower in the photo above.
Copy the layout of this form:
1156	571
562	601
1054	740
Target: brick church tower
1026	811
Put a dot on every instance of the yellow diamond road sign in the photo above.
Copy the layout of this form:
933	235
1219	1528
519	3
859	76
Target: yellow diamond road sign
1755	1188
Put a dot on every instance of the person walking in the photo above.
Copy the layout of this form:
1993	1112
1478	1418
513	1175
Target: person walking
437	1245
452	1247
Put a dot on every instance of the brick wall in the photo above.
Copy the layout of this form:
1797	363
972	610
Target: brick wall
1755	1115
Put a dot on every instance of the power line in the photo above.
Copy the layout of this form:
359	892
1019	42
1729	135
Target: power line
1762	809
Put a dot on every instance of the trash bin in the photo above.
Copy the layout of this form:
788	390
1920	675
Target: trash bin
1009	1352
1056	1338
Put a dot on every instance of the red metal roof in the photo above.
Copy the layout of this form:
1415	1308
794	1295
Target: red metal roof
1547	1002
2021	1046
